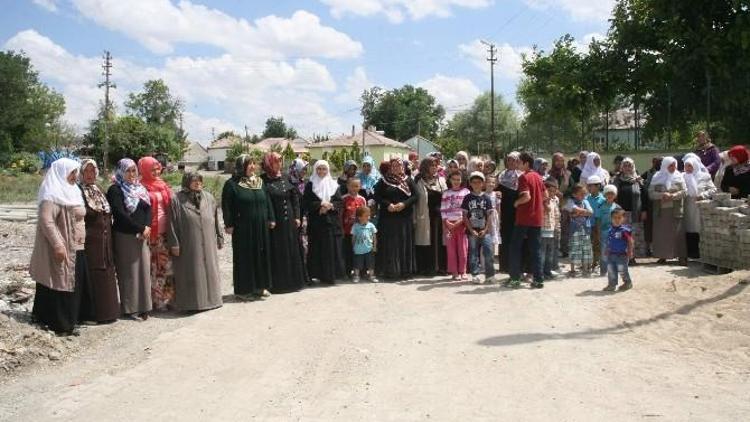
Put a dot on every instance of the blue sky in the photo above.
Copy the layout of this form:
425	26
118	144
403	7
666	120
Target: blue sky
237	62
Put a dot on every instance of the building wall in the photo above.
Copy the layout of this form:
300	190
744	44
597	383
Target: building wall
379	152
423	148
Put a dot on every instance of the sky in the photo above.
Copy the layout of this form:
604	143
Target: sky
234	63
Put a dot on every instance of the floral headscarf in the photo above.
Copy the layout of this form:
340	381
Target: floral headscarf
252	182
509	178
94	196
397	179
133	192
296	171
269	160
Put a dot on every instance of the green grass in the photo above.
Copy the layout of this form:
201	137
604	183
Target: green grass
19	189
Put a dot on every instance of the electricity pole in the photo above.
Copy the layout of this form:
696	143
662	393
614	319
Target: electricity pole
107	84
492	59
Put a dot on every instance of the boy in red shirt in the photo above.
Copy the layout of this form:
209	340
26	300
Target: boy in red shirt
351	201
529	221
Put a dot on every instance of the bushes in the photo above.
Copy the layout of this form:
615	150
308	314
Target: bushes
22	162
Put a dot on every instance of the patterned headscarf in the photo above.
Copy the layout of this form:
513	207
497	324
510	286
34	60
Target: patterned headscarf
509	178
252	182
94	196
296	173
133	192
269	160
370	179
397	180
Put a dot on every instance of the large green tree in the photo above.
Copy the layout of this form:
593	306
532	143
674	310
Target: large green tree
30	112
403	112
277	128
471	129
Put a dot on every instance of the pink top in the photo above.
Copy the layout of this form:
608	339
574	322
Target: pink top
450	206
161	214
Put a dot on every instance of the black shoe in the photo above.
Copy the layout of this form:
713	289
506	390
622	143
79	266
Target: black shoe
537	285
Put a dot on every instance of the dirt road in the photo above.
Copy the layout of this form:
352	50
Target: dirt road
676	348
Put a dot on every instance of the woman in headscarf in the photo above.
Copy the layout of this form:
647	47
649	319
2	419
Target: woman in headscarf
489	169
100	302
593	167
297	174
131	231
350	170
667	192
437	155
248	216
507	184
396	198
575	172
160	193
541	166
195	237
475	164
369	176
725	162
322	202
287	265
629	195
736	179
561	175
699	187
430	251
58	263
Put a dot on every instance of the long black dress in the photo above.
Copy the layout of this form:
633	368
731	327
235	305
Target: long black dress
248	212
287	266
507	222
100	301
396	257
325	260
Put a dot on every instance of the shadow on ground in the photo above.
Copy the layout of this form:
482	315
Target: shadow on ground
592	334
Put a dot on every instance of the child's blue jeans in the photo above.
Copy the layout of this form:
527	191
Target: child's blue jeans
617	264
484	246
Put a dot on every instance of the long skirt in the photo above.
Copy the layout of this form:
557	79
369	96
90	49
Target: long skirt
596	246
668	237
325	260
564	240
693	245
431	259
395	257
99	301
162	277
59	310
133	265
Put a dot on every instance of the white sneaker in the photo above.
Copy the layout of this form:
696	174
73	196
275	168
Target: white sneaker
476	280
496	278
355	279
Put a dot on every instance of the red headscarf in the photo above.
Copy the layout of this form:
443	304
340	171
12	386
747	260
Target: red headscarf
154	185
739	153
268	161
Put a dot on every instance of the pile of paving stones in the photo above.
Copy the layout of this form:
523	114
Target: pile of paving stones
725	232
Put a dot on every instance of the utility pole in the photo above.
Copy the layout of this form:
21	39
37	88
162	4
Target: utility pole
107	84
213	134
492	59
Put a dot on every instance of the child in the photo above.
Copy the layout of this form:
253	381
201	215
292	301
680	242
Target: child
454	231
580	231
550	227
603	221
352	201
619	251
477	211
364	245
494	230
595	200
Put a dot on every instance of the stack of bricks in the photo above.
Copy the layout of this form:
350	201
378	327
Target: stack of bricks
725	232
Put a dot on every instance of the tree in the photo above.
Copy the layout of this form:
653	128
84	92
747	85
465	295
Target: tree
403	112
227	134
289	153
155	105
30	112
472	129
276	128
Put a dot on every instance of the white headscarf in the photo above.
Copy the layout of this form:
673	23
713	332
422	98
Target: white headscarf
664	177
590	169
324	187
691	179
56	188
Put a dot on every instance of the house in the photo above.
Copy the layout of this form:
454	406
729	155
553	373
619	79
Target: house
422	145
299	145
622	129
194	157
217	151
373	143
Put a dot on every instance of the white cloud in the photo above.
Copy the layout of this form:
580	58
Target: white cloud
355	84
396	10
49	5
455	94
509	58
580	10
582	44
160	24
247	91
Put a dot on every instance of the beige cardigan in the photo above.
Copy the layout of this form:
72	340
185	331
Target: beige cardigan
422	212
59	227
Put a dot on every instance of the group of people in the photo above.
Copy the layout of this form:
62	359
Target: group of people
140	247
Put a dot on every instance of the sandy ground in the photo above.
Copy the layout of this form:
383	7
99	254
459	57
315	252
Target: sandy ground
676	348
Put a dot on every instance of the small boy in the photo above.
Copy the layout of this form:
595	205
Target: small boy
365	245
580	252
551	225
619	251
352	201
477	212
603	222
595	200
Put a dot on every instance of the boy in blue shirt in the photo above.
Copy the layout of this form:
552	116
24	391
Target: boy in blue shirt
477	212
364	244
619	251
603	217
595	200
